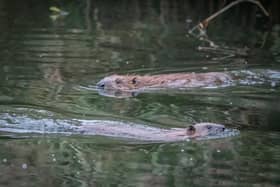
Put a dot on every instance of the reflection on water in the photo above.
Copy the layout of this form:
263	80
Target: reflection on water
83	161
20	123
46	62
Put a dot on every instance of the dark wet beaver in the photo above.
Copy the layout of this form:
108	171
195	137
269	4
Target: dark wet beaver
163	81
189	80
129	85
142	132
118	129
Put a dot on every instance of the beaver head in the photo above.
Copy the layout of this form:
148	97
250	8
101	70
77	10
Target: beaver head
204	129
119	82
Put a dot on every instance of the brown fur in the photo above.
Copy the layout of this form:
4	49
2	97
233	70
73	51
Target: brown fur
163	81
137	131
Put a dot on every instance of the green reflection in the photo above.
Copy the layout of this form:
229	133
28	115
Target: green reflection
45	62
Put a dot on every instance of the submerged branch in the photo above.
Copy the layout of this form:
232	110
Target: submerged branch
199	30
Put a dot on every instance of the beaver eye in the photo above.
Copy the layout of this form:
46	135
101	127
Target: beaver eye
118	81
190	130
134	80
209	127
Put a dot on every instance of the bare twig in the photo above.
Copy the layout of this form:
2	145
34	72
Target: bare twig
223	50
199	31
264	39
224	57
201	26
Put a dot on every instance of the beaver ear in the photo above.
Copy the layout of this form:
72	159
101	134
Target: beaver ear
190	130
134	81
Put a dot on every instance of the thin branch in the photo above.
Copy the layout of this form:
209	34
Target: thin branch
207	20
202	25
199	31
230	52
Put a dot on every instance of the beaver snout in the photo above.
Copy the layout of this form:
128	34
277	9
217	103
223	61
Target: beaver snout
101	84
216	129
206	129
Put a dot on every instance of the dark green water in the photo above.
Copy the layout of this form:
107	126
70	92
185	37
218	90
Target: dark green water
46	63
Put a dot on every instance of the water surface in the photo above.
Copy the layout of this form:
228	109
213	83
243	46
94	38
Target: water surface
45	61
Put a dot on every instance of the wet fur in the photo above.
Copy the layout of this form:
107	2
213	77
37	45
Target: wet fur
152	133
177	80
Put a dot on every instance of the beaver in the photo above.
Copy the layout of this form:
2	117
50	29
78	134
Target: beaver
115	85
130	85
118	129
148	133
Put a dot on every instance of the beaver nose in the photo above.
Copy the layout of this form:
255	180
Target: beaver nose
101	84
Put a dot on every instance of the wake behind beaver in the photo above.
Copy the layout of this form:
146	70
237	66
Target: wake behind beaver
118	129
131	85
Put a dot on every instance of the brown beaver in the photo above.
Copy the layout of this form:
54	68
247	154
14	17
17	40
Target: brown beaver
109	128
143	132
189	80
131	83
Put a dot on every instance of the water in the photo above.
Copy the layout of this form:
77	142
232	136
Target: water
47	57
